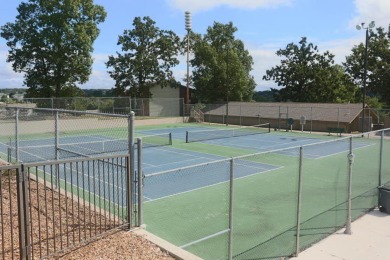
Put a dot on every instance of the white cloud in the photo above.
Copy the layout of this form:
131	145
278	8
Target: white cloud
372	10
264	56
202	5
263	59
99	80
8	78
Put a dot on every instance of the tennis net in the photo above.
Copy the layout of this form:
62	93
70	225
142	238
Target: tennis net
82	149
114	146
210	134
156	140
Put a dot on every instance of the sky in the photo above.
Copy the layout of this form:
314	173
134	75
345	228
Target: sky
264	26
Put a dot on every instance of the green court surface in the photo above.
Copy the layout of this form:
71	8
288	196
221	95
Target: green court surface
265	204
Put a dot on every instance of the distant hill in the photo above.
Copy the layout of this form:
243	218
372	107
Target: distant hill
10	91
98	92
263	96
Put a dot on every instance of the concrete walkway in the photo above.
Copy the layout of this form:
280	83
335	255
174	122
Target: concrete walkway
370	240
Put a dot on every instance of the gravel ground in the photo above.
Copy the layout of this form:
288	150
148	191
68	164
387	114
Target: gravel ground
118	245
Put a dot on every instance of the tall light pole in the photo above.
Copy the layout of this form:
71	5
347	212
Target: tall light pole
227	83
360	27
188	28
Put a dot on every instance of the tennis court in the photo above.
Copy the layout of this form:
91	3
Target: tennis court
158	156
187	185
265	204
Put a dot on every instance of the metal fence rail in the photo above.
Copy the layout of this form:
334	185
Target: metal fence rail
53	205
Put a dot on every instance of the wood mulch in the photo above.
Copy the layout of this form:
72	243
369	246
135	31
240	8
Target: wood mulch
120	244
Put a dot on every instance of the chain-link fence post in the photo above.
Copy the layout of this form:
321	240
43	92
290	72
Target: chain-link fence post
299	203
56	147
381	158
17	135
140	182
338	117
130	180
311	119
231	193
351	156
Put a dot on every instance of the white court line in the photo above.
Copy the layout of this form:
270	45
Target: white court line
196	157
36	156
172	163
205	238
261	168
96	180
93	177
171	150
147	198
267	147
211	185
362	147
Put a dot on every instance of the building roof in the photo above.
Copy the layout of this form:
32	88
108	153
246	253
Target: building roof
332	112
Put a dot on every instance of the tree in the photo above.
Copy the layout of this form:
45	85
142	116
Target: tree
51	42
378	65
221	66
4	98
308	76
264	96
148	55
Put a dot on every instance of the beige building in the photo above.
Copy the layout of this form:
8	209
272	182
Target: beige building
313	116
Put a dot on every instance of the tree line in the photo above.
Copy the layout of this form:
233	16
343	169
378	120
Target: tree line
51	42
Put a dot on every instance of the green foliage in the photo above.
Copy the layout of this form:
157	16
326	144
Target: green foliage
51	43
148	54
98	92
222	66
4	98
374	102
264	96
378	65
305	75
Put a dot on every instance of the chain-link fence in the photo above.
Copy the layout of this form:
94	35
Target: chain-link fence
346	118
33	134
267	205
71	179
142	107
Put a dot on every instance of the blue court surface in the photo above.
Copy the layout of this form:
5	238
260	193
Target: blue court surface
266	142
165	182
160	162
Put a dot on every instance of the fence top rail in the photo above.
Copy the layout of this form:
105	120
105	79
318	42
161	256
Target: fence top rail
70	111
9	167
75	160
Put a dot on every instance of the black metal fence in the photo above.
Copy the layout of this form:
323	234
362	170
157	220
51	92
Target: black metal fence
50	206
